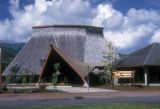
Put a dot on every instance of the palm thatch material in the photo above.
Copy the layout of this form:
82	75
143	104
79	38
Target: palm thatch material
148	56
78	45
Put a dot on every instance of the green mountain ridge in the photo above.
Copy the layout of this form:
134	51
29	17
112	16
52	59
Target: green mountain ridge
9	51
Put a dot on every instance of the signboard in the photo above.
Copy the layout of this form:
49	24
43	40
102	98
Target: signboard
123	74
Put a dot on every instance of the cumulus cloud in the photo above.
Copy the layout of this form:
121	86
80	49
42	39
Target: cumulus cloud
123	30
136	26
42	12
128	37
103	12
143	16
156	37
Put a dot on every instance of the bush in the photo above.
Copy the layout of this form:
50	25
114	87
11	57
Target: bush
42	87
3	89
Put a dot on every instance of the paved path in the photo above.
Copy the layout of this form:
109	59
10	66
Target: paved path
79	89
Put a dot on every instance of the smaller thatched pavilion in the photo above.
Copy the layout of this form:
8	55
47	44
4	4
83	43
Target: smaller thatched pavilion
145	62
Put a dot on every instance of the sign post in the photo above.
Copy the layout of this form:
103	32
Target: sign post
88	79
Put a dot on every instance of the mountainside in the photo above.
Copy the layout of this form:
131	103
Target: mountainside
122	55
9	51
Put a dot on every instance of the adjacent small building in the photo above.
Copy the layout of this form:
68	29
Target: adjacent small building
146	64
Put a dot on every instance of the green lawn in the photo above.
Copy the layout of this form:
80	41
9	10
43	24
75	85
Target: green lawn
106	106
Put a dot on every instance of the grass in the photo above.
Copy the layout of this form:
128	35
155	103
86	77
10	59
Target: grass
105	106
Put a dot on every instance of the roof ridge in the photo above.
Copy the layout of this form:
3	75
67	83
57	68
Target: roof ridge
61	25
147	57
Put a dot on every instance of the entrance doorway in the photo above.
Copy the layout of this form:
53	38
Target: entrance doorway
67	75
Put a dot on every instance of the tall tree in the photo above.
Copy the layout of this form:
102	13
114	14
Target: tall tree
111	57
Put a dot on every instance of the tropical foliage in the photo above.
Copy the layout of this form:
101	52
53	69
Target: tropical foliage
9	51
110	59
55	74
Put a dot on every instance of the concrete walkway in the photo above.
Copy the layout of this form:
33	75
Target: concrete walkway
70	89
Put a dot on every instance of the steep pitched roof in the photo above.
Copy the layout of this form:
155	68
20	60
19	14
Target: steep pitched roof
79	44
148	56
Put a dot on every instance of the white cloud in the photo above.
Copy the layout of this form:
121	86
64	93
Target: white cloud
102	12
43	12
128	37
124	30
156	36
143	16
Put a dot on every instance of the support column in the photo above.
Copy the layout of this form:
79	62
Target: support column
85	84
115	80
145	76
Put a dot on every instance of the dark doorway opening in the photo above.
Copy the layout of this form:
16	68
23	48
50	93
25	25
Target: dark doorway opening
139	75
154	74
67	74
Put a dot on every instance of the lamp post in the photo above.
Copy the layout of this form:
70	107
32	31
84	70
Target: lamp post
88	79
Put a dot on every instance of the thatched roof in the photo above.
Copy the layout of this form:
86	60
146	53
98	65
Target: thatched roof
82	69
87	27
148	56
77	42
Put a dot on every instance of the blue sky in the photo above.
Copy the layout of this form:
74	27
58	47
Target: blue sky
129	24
121	5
